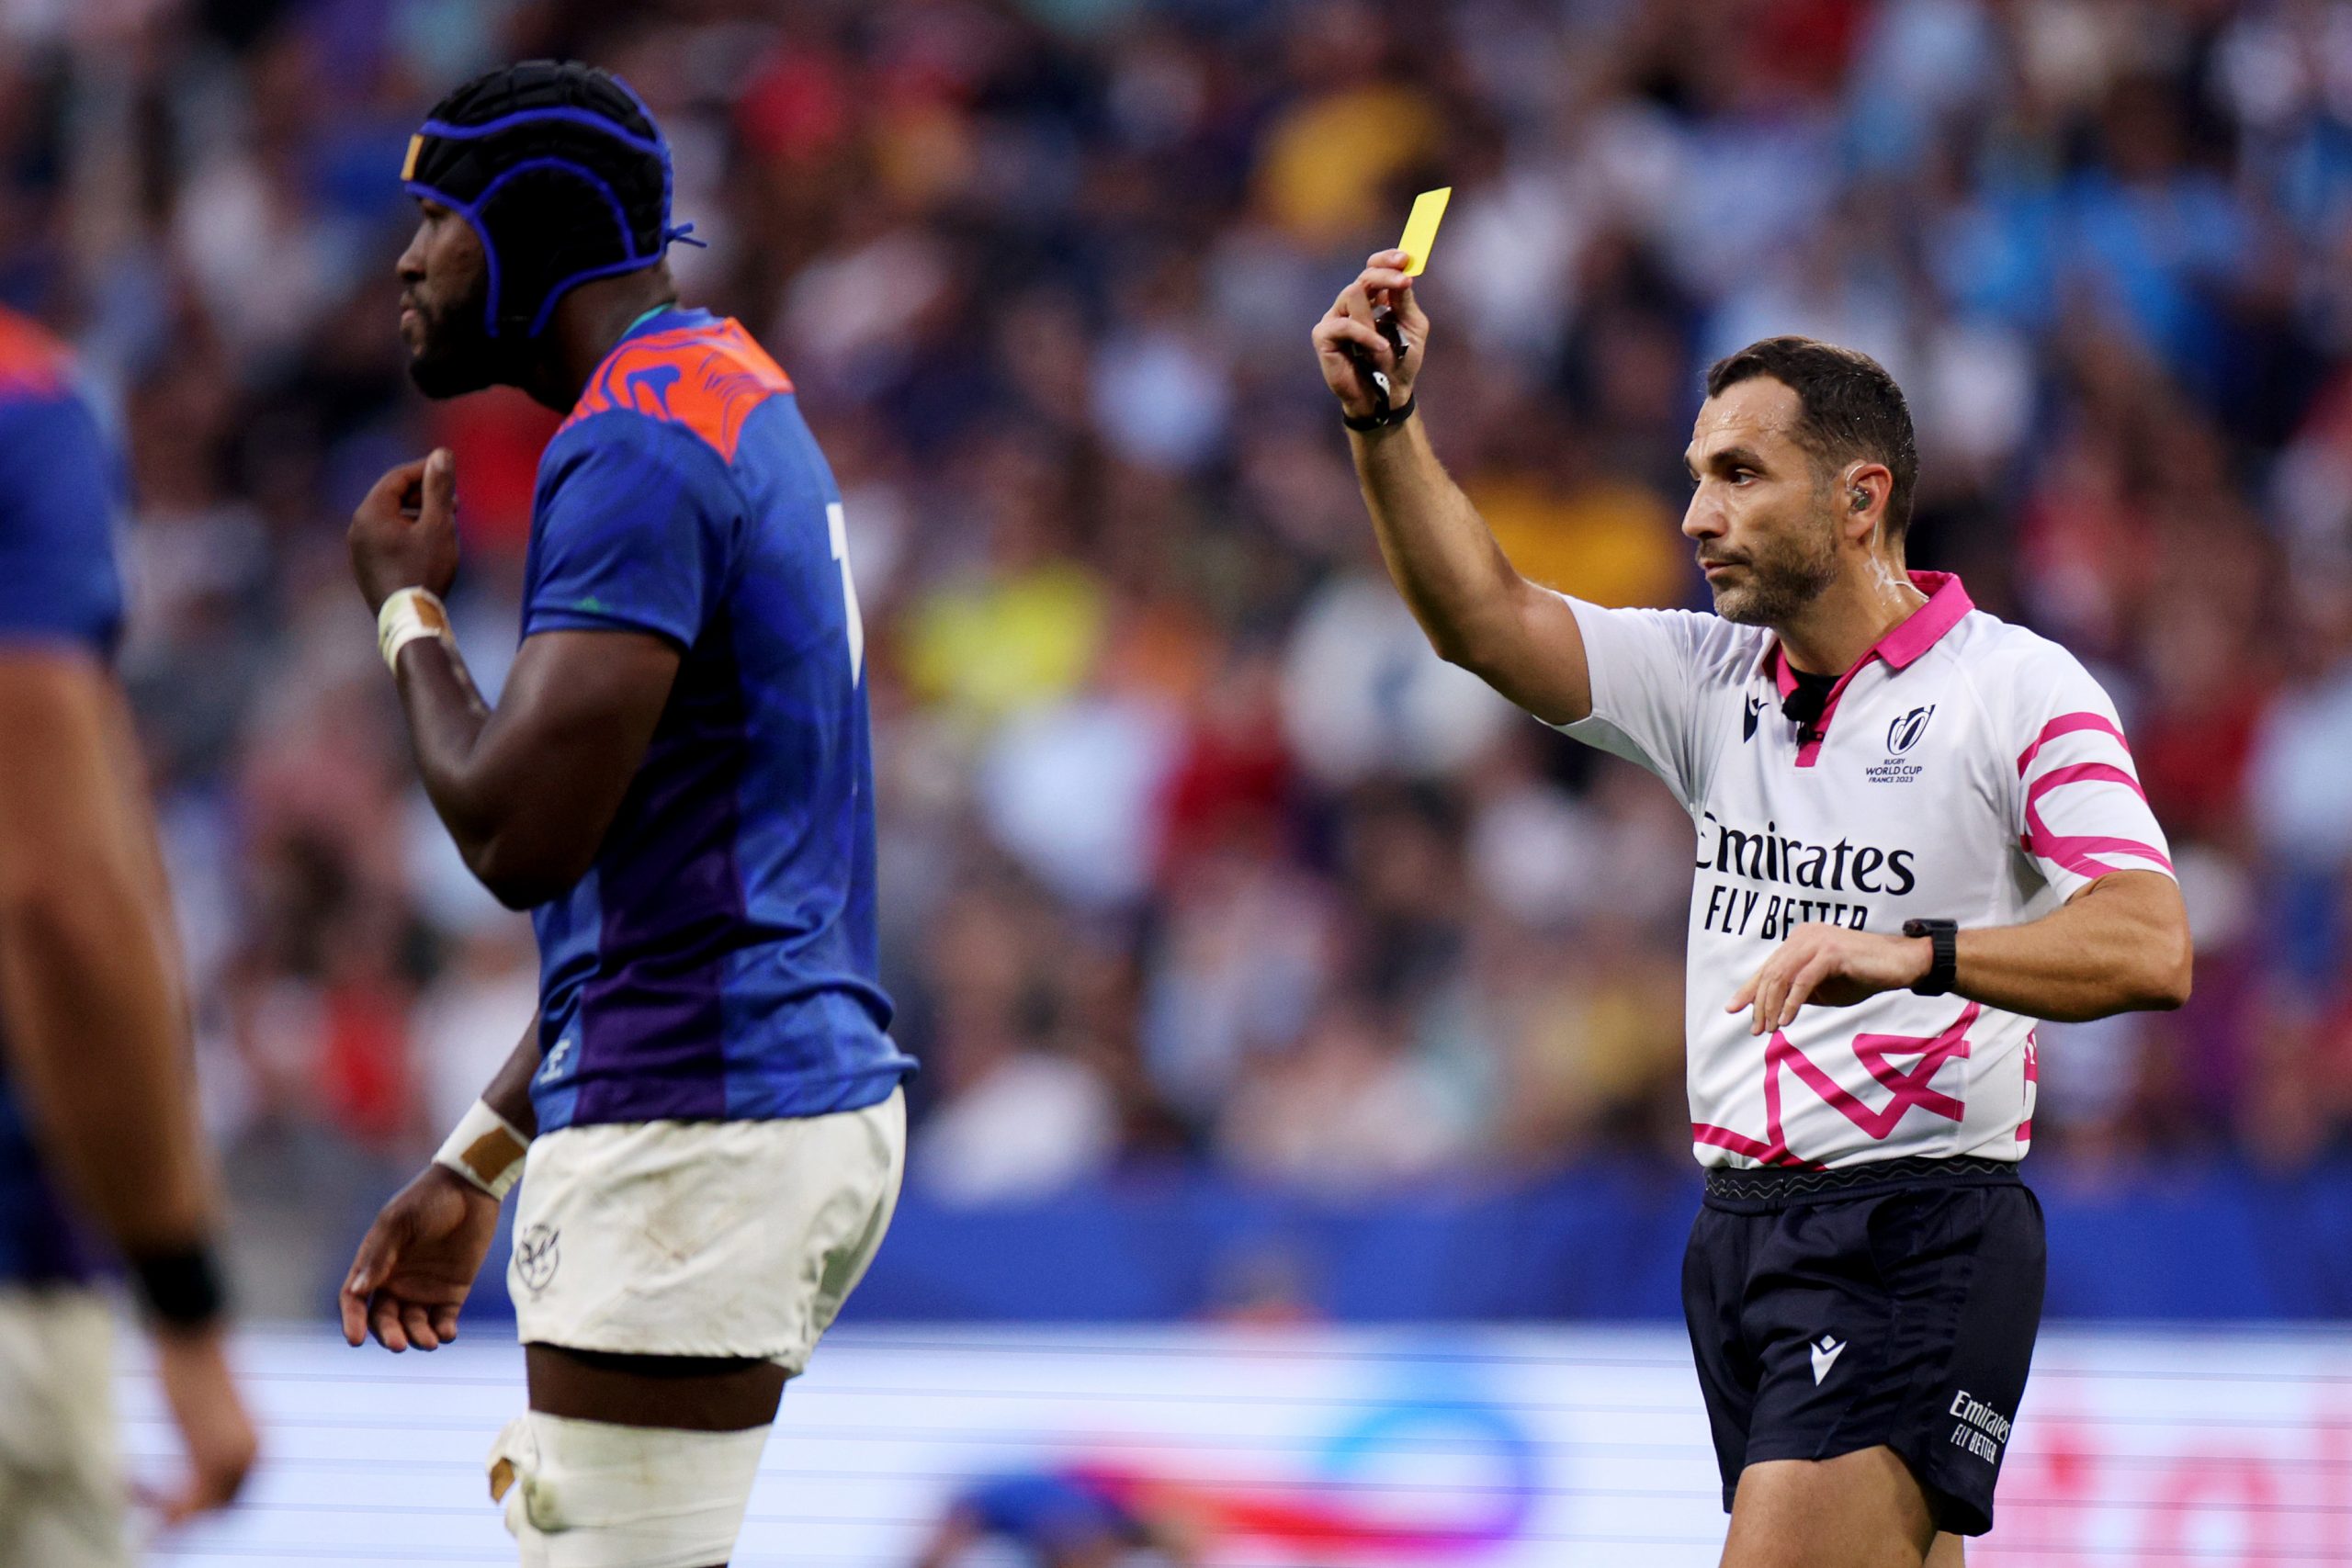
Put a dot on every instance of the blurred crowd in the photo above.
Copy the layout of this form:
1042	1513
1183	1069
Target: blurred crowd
1191	854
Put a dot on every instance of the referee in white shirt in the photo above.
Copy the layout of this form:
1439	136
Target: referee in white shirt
1920	832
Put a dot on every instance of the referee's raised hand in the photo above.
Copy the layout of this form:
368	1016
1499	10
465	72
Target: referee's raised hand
1348	330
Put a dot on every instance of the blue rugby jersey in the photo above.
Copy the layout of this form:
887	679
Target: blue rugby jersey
717	961
60	489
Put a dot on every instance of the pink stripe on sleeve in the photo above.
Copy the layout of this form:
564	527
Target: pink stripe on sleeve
2070	724
2074	854
2076	773
2075	850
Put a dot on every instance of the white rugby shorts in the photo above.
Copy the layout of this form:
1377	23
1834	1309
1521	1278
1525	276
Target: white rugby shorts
703	1238
62	1497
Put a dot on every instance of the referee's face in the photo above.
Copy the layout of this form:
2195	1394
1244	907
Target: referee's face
1760	510
445	284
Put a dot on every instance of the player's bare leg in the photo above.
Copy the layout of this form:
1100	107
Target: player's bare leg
1859	1510
692	1394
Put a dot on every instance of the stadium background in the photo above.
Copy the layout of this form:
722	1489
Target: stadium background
1267	972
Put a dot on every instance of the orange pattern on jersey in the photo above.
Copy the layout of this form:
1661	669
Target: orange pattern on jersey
709	379
32	362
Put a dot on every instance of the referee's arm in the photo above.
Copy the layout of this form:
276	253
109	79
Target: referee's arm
2119	945
1477	610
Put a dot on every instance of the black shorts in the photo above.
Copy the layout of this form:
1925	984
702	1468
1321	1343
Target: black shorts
1835	1311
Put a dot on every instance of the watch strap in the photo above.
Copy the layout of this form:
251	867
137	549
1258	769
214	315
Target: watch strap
1943	963
1383	416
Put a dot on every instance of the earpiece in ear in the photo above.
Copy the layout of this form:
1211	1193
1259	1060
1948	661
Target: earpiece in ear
1861	499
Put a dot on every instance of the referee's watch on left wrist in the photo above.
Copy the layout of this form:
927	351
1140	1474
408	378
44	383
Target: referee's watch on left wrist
1943	938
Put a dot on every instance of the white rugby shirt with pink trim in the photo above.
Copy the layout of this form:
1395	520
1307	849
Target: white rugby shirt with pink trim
1964	769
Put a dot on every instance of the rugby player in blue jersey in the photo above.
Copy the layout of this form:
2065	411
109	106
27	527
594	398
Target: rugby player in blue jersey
98	1134
677	782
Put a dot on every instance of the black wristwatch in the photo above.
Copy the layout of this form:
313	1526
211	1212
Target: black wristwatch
1943	969
1383	415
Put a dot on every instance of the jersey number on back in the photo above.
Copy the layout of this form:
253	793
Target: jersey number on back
837	526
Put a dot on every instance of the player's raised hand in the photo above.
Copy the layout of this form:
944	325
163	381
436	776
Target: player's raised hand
1831	966
417	1263
214	1427
404	534
1347	329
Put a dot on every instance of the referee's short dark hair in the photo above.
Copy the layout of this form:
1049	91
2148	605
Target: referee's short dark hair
1852	408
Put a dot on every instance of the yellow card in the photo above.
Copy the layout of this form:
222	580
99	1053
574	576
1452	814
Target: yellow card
1420	228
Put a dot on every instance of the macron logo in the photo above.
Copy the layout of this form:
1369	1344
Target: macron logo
1825	1355
558	1059
1747	723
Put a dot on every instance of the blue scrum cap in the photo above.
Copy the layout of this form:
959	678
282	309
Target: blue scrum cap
562	173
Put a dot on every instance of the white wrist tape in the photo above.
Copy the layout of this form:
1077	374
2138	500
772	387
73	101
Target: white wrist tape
486	1149
407	616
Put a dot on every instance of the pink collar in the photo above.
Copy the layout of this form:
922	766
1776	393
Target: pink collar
1904	643
1907	639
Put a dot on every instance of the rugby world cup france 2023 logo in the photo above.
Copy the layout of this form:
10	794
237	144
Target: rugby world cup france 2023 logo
1906	732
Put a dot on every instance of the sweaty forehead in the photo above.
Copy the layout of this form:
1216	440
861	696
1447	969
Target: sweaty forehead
1760	415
